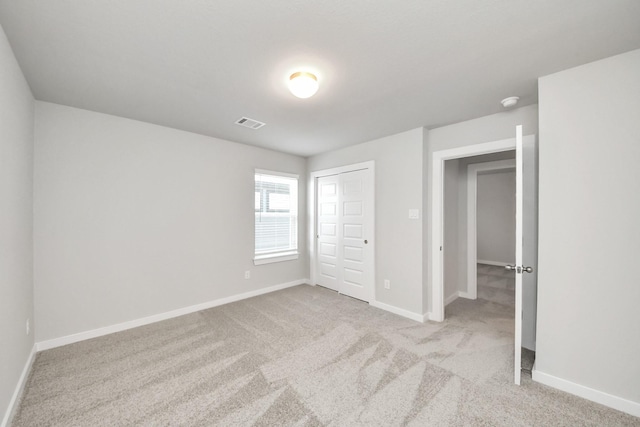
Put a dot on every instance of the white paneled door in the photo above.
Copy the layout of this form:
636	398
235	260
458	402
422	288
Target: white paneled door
327	251
344	233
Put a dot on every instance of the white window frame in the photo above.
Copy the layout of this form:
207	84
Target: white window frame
284	255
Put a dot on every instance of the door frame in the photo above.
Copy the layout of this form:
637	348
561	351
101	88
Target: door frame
436	313
472	217
313	215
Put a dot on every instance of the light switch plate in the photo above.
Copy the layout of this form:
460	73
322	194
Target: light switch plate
414	214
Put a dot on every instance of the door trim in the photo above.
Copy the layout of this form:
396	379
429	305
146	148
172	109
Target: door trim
472	218
313	206
438	158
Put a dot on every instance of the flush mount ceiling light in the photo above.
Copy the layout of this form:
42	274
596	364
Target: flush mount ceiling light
510	101
303	84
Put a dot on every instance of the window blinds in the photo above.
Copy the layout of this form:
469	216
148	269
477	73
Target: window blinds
276	213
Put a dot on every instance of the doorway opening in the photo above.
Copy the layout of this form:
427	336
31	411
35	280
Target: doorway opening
479	219
490	213
479	241
438	241
525	232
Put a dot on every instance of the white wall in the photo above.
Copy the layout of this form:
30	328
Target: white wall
496	217
134	219
16	222
398	188
484	129
589	226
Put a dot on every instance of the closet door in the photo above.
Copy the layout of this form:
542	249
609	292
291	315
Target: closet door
344	233
356	263
327	238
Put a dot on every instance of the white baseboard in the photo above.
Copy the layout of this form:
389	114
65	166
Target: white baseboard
466	295
69	339
399	311
429	316
615	402
451	298
460	294
498	263
13	403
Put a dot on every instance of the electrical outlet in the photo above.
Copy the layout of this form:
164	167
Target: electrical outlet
387	284
247	274
28	329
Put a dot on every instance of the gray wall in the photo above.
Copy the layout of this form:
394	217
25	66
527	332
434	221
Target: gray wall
589	229
16	222
496	217
134	219
398	188
484	129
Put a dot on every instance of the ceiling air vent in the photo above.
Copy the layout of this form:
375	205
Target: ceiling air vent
249	123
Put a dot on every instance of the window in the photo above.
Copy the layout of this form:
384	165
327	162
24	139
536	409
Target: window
276	210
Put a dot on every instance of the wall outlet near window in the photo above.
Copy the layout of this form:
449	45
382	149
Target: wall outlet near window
387	284
247	274
28	328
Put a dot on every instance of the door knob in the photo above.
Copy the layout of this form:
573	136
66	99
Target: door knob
366	241
519	269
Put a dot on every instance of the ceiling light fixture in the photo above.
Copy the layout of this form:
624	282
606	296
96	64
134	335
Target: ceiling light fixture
510	101
303	84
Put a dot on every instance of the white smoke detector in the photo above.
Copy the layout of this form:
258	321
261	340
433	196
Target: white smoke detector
510	101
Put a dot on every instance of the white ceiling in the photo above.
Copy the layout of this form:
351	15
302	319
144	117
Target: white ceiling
383	66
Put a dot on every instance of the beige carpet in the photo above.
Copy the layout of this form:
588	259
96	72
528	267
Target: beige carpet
304	356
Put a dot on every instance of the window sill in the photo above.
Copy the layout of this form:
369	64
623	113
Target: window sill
278	257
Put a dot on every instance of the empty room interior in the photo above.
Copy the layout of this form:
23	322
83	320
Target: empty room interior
445	225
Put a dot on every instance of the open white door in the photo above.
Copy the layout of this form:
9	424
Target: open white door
524	235
517	361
